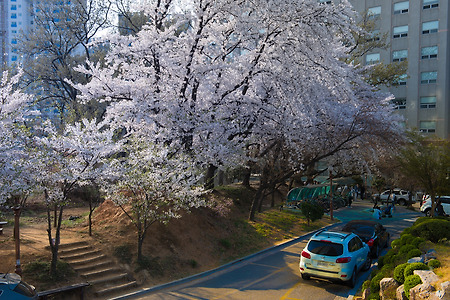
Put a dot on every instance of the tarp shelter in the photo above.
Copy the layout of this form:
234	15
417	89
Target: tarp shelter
309	192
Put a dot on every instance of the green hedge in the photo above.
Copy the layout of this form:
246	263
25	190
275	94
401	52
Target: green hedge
414	253
434	263
410	282
432	229
409	270
399	272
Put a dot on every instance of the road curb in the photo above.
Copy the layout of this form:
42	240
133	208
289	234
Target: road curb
205	274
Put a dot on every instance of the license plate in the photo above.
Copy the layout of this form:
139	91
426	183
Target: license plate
323	263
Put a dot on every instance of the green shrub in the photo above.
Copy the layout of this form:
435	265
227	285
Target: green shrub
374	296
399	273
396	244
405	249
406	238
311	211
410	282
40	271
434	263
432	230
225	243
418	241
420	220
414	253
409	270
375	282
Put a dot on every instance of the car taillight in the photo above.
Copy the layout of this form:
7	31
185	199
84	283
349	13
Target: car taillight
370	243
343	260
306	254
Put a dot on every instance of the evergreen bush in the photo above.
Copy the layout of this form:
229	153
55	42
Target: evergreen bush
409	270
414	253
434	263
399	273
410	282
432	230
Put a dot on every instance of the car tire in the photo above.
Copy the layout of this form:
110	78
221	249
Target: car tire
352	282
367	263
402	202
305	276
428	212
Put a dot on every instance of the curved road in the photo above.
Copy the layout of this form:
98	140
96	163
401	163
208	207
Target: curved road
274	274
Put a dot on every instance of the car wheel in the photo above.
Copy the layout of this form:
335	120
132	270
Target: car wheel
402	202
305	277
428	212
352	282
368	263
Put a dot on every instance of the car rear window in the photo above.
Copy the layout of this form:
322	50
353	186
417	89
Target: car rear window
325	248
361	230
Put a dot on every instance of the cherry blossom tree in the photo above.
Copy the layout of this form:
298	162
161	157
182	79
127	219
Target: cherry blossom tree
259	83
152	184
71	158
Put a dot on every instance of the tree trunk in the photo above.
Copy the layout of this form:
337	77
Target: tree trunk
90	217
209	180
246	179
255	203
139	249
55	215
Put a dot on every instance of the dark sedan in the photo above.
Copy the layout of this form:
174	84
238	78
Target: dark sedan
371	232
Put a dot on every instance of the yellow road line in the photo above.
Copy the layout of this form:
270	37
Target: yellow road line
286	296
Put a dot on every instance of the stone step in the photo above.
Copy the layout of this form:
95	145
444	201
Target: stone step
79	256
116	288
97	265
102	272
72	245
89	260
109	279
69	251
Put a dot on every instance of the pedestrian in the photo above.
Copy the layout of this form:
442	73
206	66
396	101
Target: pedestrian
363	191
376	213
439	208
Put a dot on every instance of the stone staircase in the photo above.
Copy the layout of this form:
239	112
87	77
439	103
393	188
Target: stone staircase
99	270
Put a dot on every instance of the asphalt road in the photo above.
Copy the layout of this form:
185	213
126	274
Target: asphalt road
274	274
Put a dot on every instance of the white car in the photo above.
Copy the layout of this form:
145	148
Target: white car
335	255
401	196
426	205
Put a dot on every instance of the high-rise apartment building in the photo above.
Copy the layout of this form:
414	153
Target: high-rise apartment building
418	30
16	16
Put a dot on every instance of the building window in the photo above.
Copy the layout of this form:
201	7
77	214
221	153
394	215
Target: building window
374	36
325	1
401	7
399	55
399	103
427	126
14	58
427	4
13	16
372	58
13	24
400	31
13	7
402	79
374	12
430	27
14	41
428	102
428	77
429	52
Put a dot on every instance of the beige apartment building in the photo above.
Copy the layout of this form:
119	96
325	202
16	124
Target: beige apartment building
418	30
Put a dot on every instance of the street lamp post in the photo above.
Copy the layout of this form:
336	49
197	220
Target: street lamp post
330	170
17	238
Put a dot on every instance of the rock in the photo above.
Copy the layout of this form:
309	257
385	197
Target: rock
422	291
365	294
427	276
443	293
416	259
387	288
400	293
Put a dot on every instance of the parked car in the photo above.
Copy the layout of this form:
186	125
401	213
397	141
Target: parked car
401	196
372	233
12	287
426	205
334	255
